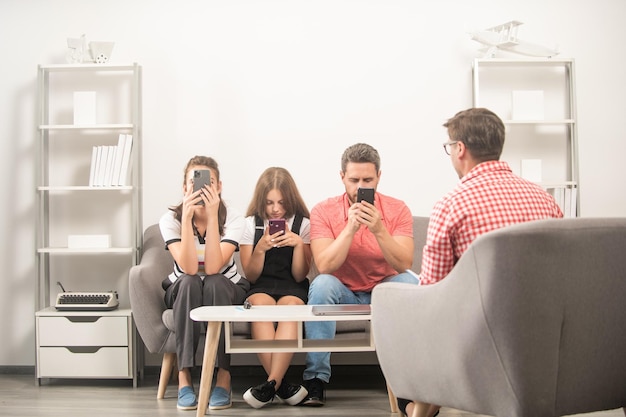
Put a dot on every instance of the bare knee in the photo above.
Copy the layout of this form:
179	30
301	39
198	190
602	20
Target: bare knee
290	300
261	299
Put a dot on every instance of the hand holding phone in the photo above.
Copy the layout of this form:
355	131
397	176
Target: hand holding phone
276	225
365	194
201	177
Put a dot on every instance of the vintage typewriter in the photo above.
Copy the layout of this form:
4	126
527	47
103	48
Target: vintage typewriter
90	301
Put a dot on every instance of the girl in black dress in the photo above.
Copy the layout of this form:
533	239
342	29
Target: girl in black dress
276	264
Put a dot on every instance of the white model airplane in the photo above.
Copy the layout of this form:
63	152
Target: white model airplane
504	37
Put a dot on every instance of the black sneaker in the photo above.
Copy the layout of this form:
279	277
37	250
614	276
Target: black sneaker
290	393
315	396
260	395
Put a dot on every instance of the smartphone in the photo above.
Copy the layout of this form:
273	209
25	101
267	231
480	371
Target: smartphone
201	177
277	225
365	194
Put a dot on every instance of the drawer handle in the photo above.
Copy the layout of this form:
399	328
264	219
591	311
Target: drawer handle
83	319
83	349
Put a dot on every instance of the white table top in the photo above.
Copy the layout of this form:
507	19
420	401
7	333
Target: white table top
267	313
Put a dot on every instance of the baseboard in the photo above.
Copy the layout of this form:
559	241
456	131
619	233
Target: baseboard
17	370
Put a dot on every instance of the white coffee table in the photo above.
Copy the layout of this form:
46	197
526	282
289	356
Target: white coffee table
216	315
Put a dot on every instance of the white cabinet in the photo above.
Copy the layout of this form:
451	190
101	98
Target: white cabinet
536	99
85	344
88	236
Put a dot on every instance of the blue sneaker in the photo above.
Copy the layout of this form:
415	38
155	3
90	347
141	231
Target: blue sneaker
220	399
187	399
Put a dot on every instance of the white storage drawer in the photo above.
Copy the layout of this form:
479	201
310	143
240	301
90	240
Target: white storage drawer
104	362
82	331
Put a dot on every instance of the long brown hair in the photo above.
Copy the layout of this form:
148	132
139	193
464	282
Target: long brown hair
276	178
208	162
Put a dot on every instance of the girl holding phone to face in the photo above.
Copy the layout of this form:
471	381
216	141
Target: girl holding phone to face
202	239
276	264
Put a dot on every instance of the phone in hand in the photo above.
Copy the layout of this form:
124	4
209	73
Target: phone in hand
277	225
365	194
201	177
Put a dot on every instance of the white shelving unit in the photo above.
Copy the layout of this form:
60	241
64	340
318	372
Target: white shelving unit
86	344
536	99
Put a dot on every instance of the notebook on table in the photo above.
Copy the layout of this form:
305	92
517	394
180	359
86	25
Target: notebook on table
340	309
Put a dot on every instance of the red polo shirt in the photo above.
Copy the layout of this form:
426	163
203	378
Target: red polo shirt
365	265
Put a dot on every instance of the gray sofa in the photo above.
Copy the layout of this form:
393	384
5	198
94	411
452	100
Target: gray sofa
154	321
531	322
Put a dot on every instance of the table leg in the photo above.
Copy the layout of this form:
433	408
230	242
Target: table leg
208	364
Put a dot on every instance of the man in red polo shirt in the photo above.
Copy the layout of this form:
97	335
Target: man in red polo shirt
355	246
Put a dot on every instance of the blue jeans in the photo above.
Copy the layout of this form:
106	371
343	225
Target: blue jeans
327	289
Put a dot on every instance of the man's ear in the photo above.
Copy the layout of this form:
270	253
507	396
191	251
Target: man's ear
461	149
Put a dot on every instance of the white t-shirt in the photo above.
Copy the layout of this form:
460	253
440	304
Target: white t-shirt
233	231
250	228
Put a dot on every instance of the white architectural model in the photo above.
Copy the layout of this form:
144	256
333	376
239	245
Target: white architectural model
504	37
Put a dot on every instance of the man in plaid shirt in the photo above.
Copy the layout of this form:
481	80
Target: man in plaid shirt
488	197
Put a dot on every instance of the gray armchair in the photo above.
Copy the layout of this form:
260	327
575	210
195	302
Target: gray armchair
146	300
531	322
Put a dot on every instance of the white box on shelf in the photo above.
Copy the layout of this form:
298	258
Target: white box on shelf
527	105
531	169
88	241
84	107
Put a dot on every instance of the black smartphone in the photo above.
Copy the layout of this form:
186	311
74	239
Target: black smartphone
365	194
277	225
201	177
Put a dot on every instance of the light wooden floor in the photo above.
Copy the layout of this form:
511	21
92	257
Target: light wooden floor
352	392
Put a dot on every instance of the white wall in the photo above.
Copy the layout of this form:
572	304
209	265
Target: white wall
292	83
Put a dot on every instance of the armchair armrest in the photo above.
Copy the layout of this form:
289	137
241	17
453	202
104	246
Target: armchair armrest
146	293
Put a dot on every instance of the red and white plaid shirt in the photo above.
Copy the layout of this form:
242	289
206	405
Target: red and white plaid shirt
488	197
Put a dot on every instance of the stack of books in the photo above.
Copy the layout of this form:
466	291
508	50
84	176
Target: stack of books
110	164
566	199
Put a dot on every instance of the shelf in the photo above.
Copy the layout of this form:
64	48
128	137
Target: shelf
254	346
87	67
77	251
61	188
524	61
539	122
536	99
301	345
338	345
121	126
558	184
364	342
66	203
